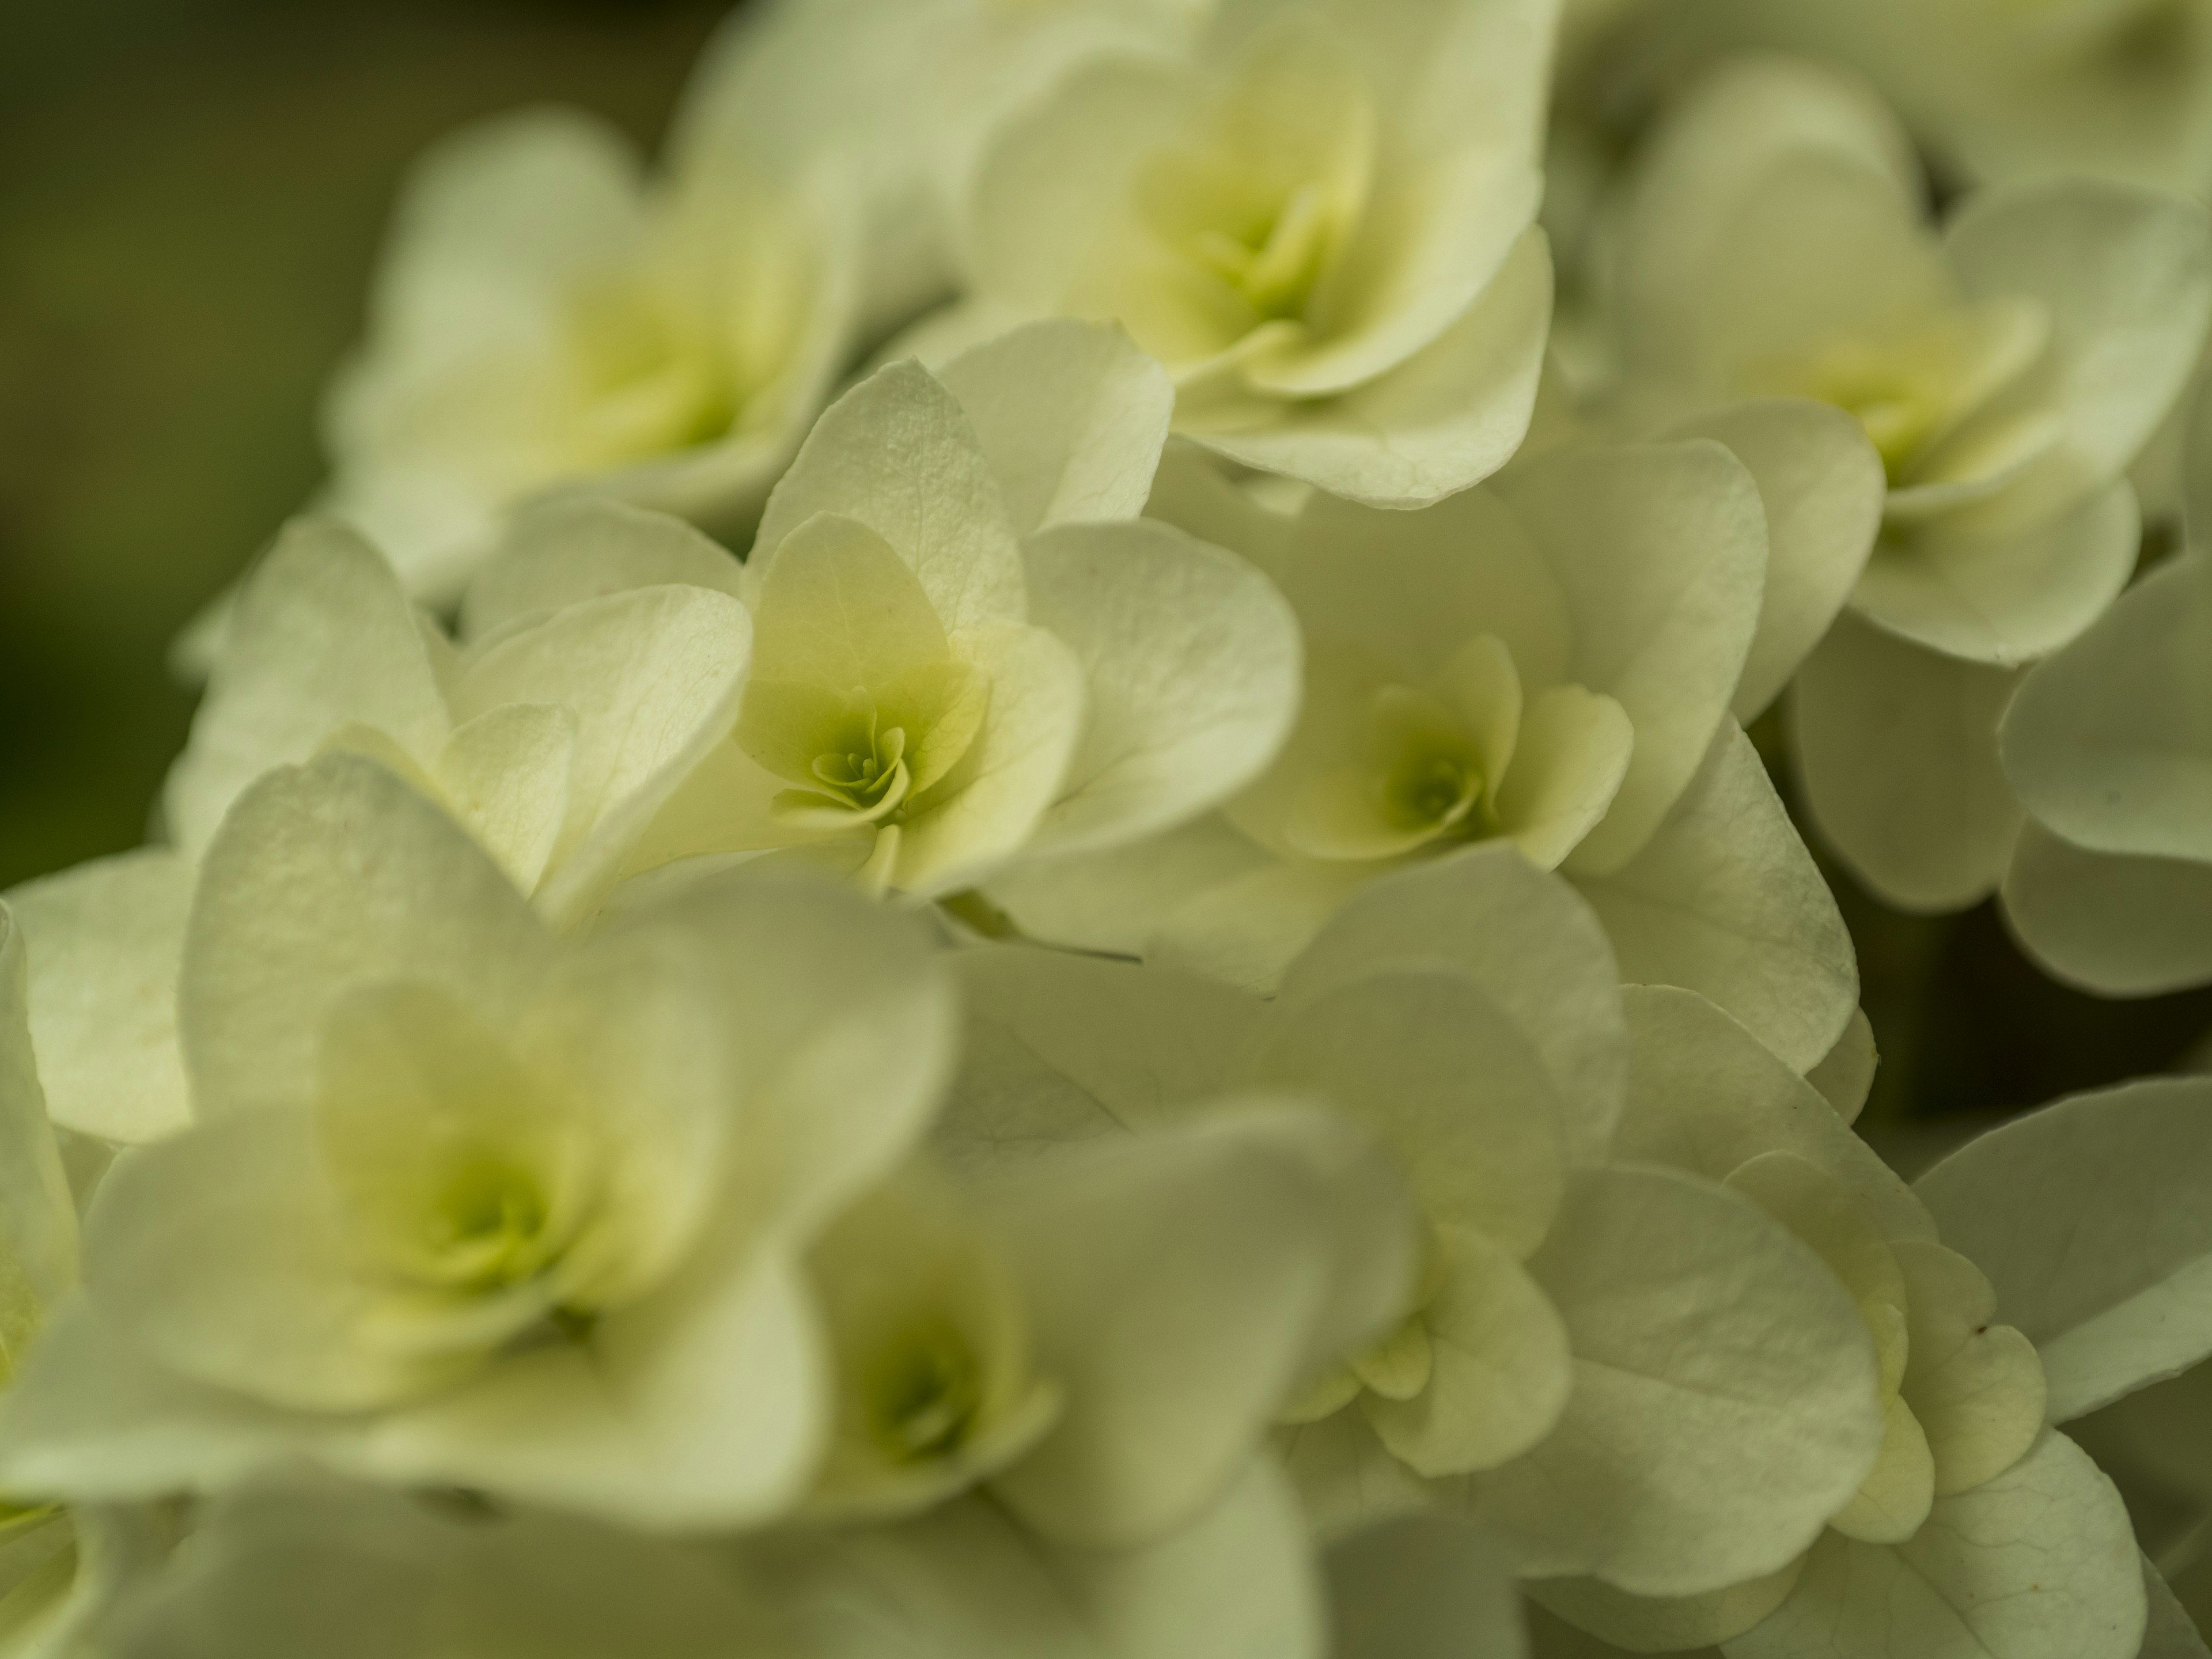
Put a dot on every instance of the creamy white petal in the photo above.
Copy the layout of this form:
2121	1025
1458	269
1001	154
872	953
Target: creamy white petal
1725	901
2091	1218
1897	748
106	942
1522	937
2117	926
1190	660
1072	416
1724	1404
2039	1564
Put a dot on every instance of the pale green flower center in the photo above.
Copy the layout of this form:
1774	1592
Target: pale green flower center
1427	792
492	1227
1275	263
926	1395
866	772
651	380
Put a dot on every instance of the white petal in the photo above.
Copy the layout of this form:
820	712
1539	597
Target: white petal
1501	1368
1061	1048
562	553
1662	551
1980	585
1725	1402
1190	659
1646	1623
2126	276
1845	1077
2120	927
1017	769
2039	1563
37	1218
838	1019
1448	417
2106	744
1522	937
1071	417
323	638
324	879
1442	1075
1822	486
1174	1284
1897	747
1705	1096
1725	901
1115	901
106	942
898	453
2091	1218
701	1407
653	677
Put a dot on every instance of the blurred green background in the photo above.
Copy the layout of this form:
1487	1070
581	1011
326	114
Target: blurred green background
192	193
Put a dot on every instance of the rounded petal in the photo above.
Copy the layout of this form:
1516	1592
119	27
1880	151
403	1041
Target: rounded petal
38	1216
1821	483
1661	551
1174	1286
2116	925
1897	748
1649	1624
653	677
1983	587
1725	1400
1061	1048
322	879
2107	744
1071	417
2125	274
1016	769
1447	417
1724	900
322	638
1190	660
2039	1564
1443	1076
1115	901
1501	1371
561	553
1976	1387
1524	939
106	941
898	453
1706	1096
2091	1218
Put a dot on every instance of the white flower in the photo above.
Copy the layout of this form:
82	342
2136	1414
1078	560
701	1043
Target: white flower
1323	224
1977	1523
903	94
1545	1370
2008	371
553	743
550	321
1550	660
2109	884
2008	90
466	1204
966	652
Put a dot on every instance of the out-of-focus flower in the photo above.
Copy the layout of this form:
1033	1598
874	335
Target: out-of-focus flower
1322	225
2007	371
2108	748
550	320
1472	1002
2006	90
901	96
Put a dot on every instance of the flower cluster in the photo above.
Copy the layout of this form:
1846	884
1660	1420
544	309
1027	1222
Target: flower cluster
989	882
